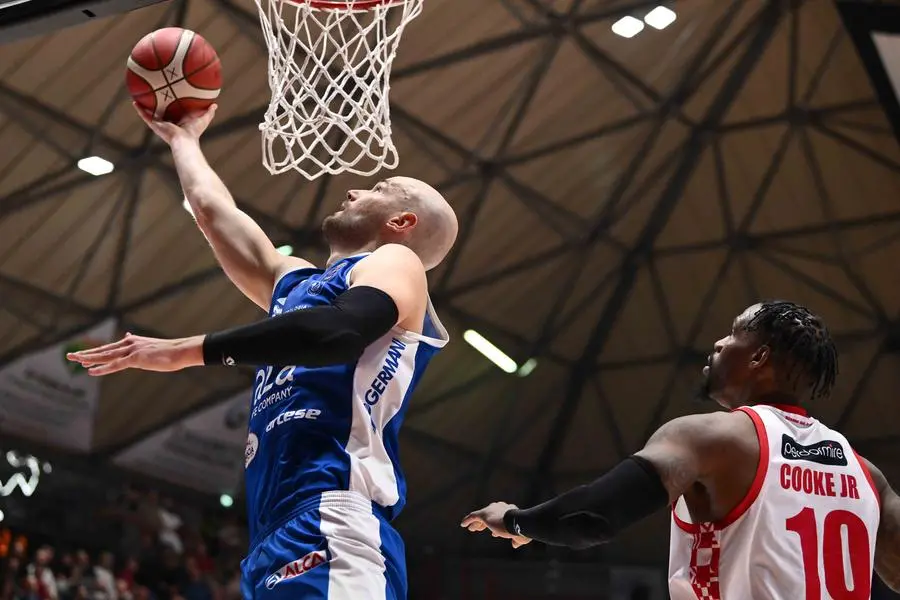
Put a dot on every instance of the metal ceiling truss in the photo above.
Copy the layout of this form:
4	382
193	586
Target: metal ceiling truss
698	139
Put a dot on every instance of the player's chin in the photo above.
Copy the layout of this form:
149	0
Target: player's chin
704	391
333	224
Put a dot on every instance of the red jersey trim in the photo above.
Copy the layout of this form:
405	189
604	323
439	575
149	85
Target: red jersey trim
868	474
762	466
788	408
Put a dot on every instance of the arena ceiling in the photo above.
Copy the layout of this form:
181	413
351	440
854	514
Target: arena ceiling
620	200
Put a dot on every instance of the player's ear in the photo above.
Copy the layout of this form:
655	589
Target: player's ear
403	222
760	357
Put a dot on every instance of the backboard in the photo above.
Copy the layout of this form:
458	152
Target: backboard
20	19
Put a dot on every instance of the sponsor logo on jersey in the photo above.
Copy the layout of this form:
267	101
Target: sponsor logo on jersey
293	415
263	394
278	307
250	449
297	568
827	452
385	375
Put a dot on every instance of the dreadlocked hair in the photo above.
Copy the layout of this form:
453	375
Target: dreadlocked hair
799	341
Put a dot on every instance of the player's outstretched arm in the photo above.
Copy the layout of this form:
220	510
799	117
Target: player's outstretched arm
887	544
387	288
681	452
246	254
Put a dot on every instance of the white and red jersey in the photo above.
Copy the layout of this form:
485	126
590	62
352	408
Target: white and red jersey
805	531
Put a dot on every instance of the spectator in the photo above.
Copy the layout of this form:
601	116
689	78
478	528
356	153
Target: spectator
232	589
196	586
41	581
169	524
103	574
167	559
202	559
128	573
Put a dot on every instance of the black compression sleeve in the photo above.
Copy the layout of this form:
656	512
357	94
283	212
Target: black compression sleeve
594	513
318	336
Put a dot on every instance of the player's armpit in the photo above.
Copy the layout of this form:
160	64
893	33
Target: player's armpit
887	544
246	254
690	449
398	272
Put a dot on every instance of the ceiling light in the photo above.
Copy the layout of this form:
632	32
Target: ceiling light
526	369
95	165
286	250
490	351
226	501
660	17
627	27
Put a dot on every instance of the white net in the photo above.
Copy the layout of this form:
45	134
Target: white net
329	73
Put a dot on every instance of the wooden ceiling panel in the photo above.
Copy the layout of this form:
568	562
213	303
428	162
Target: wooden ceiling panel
590	177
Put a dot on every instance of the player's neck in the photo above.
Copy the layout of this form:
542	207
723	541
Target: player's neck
338	253
775	398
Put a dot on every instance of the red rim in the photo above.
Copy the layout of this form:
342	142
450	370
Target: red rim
347	4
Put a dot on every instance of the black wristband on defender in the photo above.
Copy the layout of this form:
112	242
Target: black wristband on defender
510	523
322	335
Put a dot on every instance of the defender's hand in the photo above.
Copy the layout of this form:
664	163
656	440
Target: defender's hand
137	352
491	517
192	126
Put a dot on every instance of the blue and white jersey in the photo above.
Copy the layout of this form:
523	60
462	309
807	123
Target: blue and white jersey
314	430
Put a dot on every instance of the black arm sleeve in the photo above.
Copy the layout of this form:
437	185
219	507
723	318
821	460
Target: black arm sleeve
594	513
318	336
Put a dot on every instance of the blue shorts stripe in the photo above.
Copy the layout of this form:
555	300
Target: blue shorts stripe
394	551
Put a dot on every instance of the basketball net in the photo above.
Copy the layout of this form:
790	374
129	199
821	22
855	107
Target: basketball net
329	73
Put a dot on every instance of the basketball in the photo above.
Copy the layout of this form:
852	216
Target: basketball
173	72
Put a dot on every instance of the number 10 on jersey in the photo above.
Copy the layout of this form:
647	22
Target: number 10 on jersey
838	527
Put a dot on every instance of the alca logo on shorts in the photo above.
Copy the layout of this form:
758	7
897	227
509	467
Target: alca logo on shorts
828	452
297	568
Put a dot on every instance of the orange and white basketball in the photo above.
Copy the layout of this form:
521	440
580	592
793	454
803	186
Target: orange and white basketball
173	72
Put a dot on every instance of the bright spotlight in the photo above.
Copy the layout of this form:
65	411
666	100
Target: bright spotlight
660	17
490	351
95	165
627	27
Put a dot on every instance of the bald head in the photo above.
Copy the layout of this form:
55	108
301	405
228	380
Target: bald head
436	226
398	210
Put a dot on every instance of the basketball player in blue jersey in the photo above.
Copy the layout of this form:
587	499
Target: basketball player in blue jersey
343	349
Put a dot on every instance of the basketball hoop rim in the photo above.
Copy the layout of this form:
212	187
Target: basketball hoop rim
347	4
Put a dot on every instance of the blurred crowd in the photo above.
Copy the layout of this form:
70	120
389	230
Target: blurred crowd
146	548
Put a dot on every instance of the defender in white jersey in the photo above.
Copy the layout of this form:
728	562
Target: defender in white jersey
784	538
337	361
767	502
